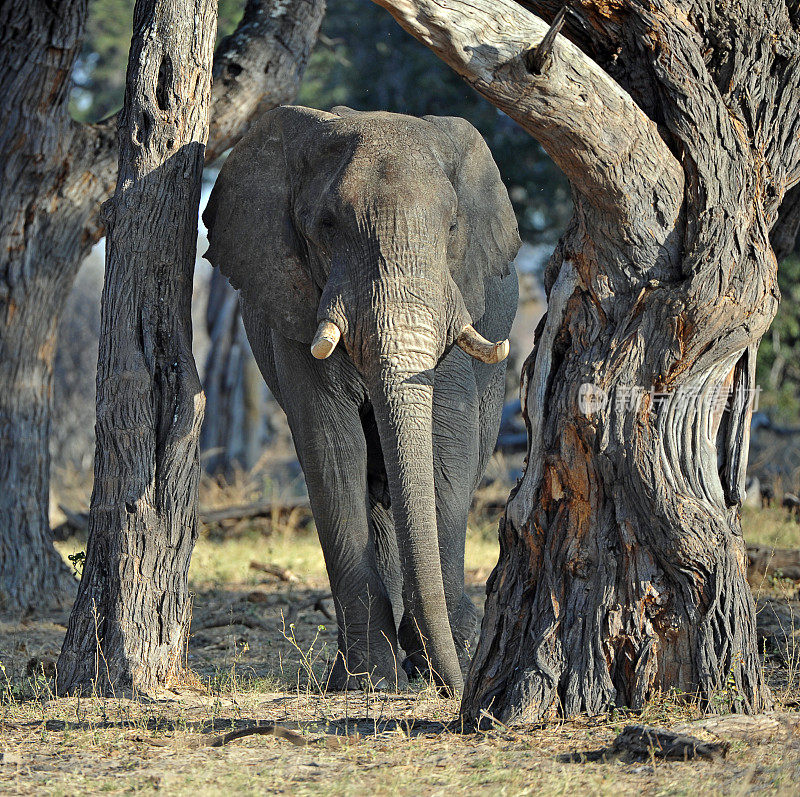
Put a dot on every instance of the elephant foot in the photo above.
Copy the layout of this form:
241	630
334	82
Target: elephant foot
417	666
355	677
464	624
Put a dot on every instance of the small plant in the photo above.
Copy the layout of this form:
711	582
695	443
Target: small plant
77	560
9	693
309	659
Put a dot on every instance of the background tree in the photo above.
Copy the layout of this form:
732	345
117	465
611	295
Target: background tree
38	143
132	607
778	371
622	566
99	74
56	173
233	431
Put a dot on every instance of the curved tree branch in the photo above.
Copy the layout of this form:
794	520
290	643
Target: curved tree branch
93	175
260	65
593	130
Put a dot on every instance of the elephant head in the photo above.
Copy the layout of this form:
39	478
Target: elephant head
374	232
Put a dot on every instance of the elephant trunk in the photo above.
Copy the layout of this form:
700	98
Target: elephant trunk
403	402
401	340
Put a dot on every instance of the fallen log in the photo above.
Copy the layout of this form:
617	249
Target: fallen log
258	509
331	741
78	522
708	738
646	740
74	523
763	560
753	728
281	573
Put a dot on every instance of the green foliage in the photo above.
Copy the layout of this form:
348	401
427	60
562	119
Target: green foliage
365	60
100	72
778	366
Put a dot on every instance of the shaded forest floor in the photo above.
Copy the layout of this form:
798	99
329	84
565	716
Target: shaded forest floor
258	649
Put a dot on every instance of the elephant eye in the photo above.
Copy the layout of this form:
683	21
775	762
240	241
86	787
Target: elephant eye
453	225
327	222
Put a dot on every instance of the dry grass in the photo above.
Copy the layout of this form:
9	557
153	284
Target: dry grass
770	527
259	646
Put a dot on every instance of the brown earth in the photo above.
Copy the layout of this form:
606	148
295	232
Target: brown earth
258	650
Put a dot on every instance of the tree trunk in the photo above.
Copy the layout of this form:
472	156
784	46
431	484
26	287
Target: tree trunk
30	567
622	568
132	610
235	403
55	175
38	46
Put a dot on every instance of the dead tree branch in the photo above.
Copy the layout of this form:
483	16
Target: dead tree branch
608	148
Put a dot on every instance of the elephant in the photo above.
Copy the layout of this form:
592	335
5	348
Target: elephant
373	253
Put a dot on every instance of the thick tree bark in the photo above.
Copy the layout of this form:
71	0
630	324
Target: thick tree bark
622	568
132	610
38	46
55	175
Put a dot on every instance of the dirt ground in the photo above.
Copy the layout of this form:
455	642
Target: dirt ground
258	650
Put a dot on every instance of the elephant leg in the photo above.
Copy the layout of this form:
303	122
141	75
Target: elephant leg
456	459
322	404
380	516
383	532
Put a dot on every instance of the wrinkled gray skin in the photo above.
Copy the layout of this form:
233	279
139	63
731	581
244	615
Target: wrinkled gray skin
400	231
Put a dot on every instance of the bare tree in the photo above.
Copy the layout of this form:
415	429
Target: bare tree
622	565
132	604
55	174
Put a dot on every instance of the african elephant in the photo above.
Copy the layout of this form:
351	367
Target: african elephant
373	253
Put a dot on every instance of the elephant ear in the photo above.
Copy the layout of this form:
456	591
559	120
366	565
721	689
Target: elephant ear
250	230
487	236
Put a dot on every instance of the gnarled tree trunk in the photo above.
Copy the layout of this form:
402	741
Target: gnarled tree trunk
55	175
132	610
622	568
39	144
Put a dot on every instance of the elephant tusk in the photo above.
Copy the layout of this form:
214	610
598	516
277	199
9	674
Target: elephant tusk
325	340
474	344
